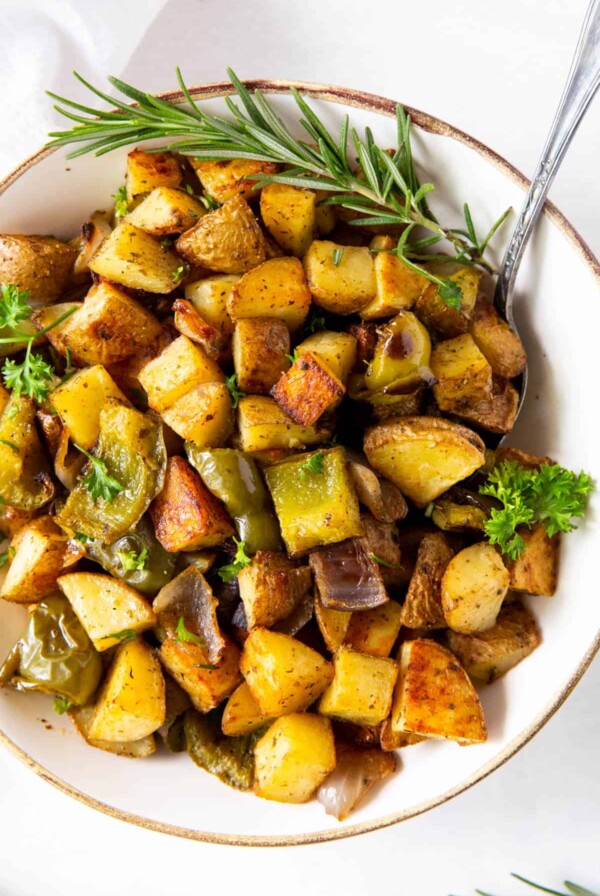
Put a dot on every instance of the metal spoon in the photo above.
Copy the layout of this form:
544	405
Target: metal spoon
582	83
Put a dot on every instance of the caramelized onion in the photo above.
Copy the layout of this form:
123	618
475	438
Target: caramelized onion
347	577
68	464
189	596
356	773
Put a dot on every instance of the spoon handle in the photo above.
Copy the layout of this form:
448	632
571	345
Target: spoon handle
582	83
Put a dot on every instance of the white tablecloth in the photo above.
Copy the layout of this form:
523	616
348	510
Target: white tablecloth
496	70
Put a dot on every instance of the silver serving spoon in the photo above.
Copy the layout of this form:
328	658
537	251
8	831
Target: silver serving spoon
582	83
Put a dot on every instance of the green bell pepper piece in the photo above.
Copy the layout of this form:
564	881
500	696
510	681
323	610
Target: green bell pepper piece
231	759
159	565
25	481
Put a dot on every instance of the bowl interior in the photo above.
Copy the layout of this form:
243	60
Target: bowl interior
55	195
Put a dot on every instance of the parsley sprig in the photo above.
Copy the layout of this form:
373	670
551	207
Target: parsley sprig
229	571
121	202
182	633
98	481
550	495
232	384
313	466
132	561
13	306
61	705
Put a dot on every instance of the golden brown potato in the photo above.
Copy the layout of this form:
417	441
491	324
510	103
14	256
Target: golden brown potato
489	654
277	288
79	400
206	685
166	211
204	415
186	515
12	520
41	554
341	278
423	456
502	348
263	426
260	348
293	758
529	461
133	258
463	375
148	170
209	297
40	264
179	367
290	216
93	234
189	323
333	624
473	587
497	412
390	740
384	500
82	716
25	481
362	687
336	350
307	389
374	632
227	178
242	713
422	607
228	239
536	570
401	359
397	287
434	696
434	312
268	588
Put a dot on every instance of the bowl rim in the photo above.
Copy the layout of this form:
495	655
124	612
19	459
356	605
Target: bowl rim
372	103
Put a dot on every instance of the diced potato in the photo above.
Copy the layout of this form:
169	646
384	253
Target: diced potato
402	355
374	632
242	713
362	688
41	553
148	170
397	287
422	606
536	570
210	297
283	674
473	587
341	283
206	685
107	608
463	374
488	655
186	515
264	426
314	509
293	758
227	178
502	348
204	415
290	215
179	367
266	589
333	624
277	288
390	740
435	313
78	402
189	323
131	704
324	214
434	696
133	258
424	456
166	211
383	499
81	716
260	348
307	389
12	520
228	239
40	264
93	233
496	412
336	350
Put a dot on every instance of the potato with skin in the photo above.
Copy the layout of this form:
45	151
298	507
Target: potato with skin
264	426
227	240
13	521
382	541
148	170
206	685
260	347
462	372
333	624
82	716
79	400
340	278
397	286
210	297
381	498
266	589
166	211
434	696
93	234
242	714
431	309
189	323
473	587
390	740
497	412
500	345
362	688
227	178
40	264
133	258
290	216
536	570
293	758
307	389
42	552
422	606
336	350
276	288
374	632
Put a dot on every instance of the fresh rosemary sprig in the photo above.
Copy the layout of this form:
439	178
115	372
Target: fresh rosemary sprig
384	188
572	888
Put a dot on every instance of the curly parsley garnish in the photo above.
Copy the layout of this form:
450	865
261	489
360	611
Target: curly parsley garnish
132	561
314	466
99	483
228	572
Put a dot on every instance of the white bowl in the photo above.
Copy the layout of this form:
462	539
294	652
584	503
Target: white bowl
559	319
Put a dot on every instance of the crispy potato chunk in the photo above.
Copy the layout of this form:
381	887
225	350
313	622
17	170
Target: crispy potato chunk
397	287
82	716
228	239
206	685
132	257
497	412
336	350
362	688
40	264
148	170
166	211
41	554
260	348
264	426
434	312
422	607
536	570
242	713
283	674
341	278
374	632
333	624
489	654
307	389
473	587
434	696
210	297
423	456
204	415
502	348
179	367
463	374
277	288
290	216
266	589
390	740
227	178
186	515
189	323
293	758
381	498
80	399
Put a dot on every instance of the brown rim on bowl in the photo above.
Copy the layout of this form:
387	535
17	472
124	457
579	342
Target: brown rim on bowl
371	103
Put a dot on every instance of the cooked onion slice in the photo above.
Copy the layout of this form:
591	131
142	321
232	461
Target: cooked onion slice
356	773
189	597
347	577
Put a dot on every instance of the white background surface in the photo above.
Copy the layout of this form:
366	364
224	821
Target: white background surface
495	70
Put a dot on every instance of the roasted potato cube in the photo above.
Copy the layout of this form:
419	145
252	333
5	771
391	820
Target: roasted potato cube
489	654
166	211
390	740
290	216
496	412
186	515
264	426
314	508
228	239
227	178
434	696
397	287
362	688
204	415
341	278
41	553
93	233
463	374
242	713
277	288
384	500
283	674
307	389
206	685
325	217
473	587
293	758
435	313
148	170
536	570
132	257
374	632
333	624
107	608
422	607
179	367
40	264
79	400
423	456
210	297
260	348
336	350
502	348
82	716
189	323
266	589
131	704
